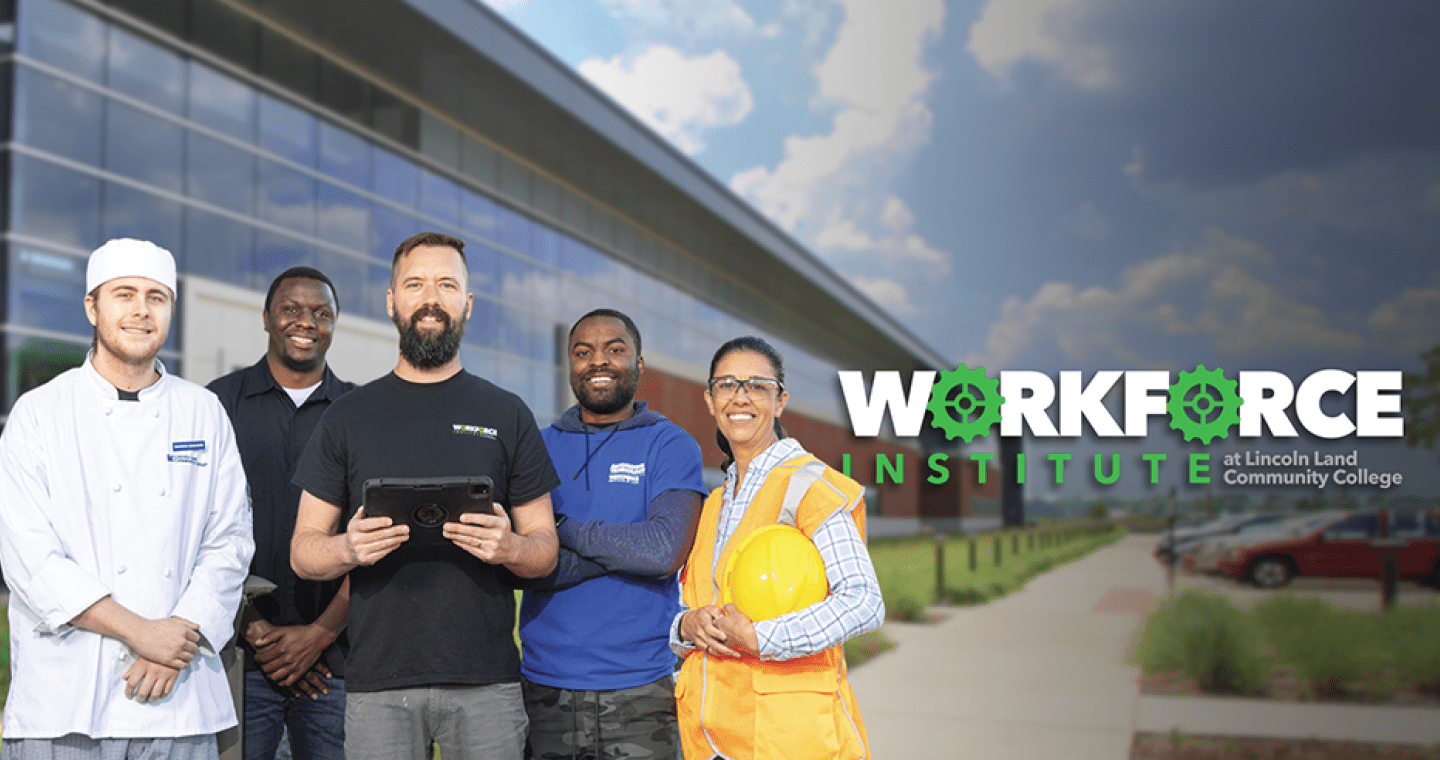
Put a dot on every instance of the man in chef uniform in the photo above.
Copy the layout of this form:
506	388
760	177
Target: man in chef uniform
125	537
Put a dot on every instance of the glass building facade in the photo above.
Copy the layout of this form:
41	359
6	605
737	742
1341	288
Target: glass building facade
245	152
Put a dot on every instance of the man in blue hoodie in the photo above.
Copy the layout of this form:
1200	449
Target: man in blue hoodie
597	665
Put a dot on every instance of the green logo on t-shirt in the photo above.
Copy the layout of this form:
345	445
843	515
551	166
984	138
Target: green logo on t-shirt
480	430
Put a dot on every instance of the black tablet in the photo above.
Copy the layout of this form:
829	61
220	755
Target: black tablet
425	504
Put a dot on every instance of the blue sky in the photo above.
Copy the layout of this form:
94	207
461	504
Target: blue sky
1070	184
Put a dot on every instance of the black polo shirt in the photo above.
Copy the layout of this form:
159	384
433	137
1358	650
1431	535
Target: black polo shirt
272	434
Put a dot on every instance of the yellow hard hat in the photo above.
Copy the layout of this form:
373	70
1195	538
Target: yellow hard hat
775	570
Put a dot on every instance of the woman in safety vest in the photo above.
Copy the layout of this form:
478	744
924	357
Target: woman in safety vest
753	688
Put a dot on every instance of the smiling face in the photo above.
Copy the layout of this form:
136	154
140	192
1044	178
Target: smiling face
131	316
300	322
747	417
428	303
604	370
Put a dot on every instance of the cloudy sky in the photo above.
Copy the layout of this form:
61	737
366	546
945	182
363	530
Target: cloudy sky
1070	184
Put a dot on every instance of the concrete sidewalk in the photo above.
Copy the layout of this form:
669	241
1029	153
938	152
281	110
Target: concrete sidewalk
1042	674
1037	674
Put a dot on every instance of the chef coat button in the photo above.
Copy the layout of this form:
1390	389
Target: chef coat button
117	487
109	411
167	572
162	492
120	569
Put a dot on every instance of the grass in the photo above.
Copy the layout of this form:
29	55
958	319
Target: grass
1208	638
1333	650
905	567
867	646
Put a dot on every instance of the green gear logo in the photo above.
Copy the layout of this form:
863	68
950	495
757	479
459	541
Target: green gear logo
1203	404
965	403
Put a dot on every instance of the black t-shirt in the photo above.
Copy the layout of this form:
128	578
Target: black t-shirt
271	434
434	616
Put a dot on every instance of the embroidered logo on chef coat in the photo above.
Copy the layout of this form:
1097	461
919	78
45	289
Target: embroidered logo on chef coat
624	472
186	452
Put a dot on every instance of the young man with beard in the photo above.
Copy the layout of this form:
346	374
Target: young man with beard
125	537
295	658
597	666
432	657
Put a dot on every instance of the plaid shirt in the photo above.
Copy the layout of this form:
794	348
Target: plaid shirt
854	605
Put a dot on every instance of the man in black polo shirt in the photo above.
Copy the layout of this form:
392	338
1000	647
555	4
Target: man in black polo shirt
295	658
433	658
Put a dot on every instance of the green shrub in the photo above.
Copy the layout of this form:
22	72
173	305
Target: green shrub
1331	648
905	610
1414	637
1209	639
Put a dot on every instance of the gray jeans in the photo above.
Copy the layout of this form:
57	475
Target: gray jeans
466	722
78	747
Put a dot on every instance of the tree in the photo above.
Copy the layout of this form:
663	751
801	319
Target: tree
1420	395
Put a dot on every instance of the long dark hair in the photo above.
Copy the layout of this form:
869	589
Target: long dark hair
754	345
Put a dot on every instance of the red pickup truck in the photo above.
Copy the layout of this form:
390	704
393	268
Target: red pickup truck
1344	547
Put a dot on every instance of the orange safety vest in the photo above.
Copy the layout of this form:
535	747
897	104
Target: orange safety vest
752	709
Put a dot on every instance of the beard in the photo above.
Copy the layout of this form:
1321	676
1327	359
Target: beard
434	350
607	400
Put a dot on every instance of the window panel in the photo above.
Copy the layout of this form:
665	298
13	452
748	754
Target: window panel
274	253
515	230
133	213
439	140
391	228
47	290
394	177
143	147
32	362
219	173
344	156
347	272
375	288
286	197
483	263
289	64
56	116
63	36
440	198
54	203
218	247
145	71
481	329
479	215
344	218
288	131
221	103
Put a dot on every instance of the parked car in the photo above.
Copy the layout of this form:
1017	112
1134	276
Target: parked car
1185	539
1205	556
1343	547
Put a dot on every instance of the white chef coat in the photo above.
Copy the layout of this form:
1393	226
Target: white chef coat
143	501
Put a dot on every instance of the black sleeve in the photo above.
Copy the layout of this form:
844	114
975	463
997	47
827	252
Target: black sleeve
321	469
531	474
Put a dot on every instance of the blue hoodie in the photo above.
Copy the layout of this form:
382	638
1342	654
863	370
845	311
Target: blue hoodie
621	539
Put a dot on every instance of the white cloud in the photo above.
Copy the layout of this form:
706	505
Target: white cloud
1410	321
832	189
506	6
889	294
1209	299
678	97
693	20
1009	33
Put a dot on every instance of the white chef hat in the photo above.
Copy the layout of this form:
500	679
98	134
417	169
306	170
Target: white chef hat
125	257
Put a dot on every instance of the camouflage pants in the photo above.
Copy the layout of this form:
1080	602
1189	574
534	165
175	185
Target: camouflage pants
602	725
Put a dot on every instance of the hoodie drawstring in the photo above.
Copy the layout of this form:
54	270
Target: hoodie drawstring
585	466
